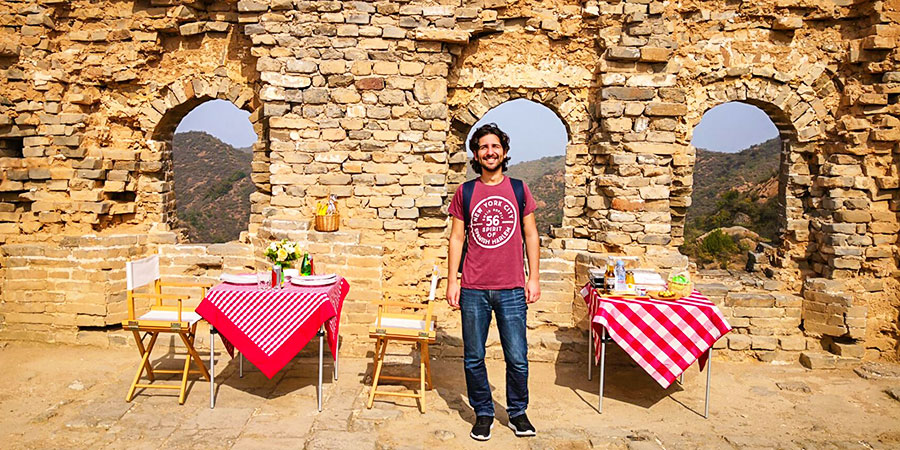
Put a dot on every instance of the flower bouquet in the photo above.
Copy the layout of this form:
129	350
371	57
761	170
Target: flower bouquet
283	253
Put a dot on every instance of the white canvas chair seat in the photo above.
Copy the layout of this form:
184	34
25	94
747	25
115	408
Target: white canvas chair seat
172	316
409	324
414	324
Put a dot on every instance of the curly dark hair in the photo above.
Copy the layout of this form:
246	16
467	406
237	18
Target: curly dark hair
482	131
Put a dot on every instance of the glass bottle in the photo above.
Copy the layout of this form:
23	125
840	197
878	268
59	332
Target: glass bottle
305	266
620	275
277	276
609	279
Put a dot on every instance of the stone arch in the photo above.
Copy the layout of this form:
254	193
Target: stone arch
569	105
160	120
801	126
793	115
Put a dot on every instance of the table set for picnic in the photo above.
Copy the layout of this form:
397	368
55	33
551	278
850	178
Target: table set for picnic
269	316
663	326
269	327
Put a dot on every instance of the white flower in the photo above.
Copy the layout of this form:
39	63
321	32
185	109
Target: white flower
289	247
272	247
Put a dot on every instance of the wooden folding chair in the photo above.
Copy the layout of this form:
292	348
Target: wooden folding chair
414	324
160	319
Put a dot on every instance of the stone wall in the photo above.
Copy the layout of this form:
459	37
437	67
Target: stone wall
765	320
370	101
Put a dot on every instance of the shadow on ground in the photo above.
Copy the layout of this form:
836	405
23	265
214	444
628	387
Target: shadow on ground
624	380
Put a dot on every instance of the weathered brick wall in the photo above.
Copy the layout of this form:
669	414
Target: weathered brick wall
53	291
765	320
370	101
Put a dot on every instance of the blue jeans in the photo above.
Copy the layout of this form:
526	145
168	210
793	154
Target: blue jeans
510	308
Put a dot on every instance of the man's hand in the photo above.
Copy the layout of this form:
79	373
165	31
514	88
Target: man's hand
453	294
532	251
532	291
454	255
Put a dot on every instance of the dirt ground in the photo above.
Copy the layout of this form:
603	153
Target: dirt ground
56	396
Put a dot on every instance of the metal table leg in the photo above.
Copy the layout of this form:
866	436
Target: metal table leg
590	351
240	365
708	377
337	357
321	334
602	367
212	367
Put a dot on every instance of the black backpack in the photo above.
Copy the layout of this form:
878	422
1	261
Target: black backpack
468	189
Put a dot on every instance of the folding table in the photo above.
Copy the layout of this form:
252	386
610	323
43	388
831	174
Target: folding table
663	336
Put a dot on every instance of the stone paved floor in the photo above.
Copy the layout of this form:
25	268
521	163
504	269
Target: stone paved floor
57	396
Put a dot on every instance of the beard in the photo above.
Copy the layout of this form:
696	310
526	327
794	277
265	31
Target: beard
492	163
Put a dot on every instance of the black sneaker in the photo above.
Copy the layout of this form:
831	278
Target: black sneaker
481	431
521	425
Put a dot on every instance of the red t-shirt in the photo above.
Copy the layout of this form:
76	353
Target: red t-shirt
495	257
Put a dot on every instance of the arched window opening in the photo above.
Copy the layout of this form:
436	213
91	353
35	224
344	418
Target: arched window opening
537	141
735	202
212	152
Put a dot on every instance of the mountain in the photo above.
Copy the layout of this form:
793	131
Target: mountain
212	187
532	170
732	190
545	177
752	170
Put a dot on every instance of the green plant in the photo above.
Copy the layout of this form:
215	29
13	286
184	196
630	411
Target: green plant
221	187
717	243
718	247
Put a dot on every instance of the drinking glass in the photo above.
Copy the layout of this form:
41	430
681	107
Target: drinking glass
263	280
263	275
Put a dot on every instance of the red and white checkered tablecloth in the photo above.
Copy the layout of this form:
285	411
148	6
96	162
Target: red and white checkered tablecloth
663	336
270	327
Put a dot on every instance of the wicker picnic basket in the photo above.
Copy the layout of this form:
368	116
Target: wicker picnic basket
328	222
681	289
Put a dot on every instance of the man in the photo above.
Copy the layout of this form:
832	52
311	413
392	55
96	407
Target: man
501	212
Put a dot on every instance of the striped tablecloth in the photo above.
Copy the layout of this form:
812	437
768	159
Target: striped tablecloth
663	336
270	327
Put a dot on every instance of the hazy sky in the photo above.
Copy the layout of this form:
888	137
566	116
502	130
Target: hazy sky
732	127
221	119
535	131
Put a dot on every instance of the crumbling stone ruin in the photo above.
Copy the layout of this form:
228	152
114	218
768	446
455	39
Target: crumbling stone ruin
371	101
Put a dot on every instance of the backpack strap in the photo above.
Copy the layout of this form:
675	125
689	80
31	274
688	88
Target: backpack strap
468	189
519	189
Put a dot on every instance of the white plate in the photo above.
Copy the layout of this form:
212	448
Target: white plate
647	277
308	281
238	279
324	276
